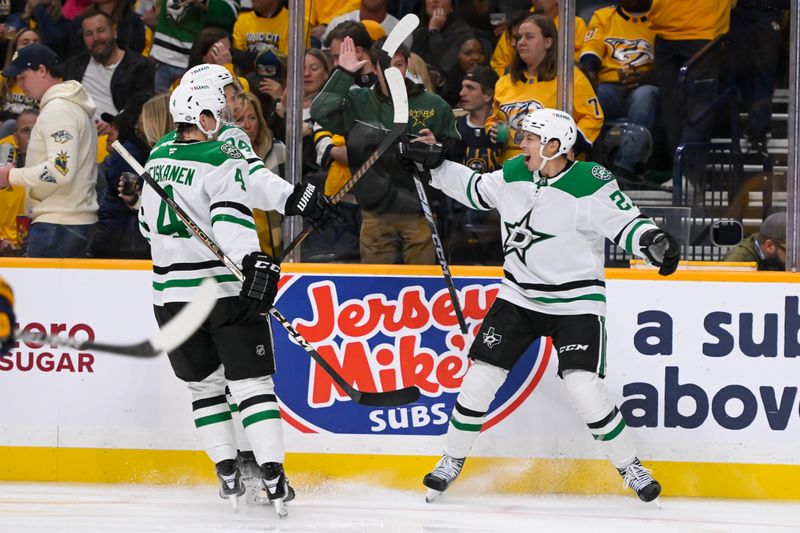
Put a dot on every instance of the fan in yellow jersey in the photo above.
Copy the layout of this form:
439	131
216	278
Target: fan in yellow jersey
504	51
618	53
531	85
266	26
6	317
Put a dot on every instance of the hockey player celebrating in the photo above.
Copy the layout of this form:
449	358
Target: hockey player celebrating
6	317
556	214
234	346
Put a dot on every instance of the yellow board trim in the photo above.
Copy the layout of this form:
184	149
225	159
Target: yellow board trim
521	476
420	270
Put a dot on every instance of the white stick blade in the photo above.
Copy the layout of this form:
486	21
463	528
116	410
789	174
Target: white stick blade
402	31
188	320
397	89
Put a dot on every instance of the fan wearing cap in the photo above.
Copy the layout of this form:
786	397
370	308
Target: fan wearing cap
265	27
767	247
555	217
60	171
477	94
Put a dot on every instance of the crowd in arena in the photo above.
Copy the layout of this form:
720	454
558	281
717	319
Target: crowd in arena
475	68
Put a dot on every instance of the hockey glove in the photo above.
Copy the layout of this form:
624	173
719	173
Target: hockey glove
261	276
6	318
662	250
419	154
307	200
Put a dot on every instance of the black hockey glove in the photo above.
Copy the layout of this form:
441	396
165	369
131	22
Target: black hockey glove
309	202
413	155
260	285
662	250
6	318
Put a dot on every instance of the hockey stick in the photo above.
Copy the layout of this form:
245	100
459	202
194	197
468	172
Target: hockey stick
397	89
379	399
169	336
437	244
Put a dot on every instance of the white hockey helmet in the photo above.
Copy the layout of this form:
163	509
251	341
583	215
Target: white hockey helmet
551	124
188	101
216	76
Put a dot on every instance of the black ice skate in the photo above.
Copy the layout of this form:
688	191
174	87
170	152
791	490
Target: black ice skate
446	471
639	479
230	480
276	486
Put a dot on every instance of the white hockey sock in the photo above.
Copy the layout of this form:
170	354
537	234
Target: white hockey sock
242	444
212	416
590	399
477	392
261	418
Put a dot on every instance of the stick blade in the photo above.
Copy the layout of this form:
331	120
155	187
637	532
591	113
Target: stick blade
389	398
188	320
397	90
402	31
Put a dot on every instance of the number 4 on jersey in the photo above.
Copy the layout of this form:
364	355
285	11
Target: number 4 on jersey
168	221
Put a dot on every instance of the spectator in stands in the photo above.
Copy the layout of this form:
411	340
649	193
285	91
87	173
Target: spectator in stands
118	234
365	77
268	79
320	14
12	200
73	9
767	247
389	204
755	38
155	120
111	75
178	26
45	16
60	172
531	84
128	25
213	45
507	43
418	72
470	53
436	37
504	52
264	28
273	152
476	97
12	96
374	10
618	53
683	28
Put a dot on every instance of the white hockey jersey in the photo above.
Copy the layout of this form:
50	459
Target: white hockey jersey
553	230
268	190
208	180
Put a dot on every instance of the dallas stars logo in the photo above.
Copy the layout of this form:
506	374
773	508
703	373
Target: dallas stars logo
522	236
491	339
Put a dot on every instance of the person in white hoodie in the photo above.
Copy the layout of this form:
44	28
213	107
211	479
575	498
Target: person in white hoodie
60	171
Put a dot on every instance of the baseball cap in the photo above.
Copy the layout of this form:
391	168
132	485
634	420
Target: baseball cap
270	64
774	227
374	29
484	76
32	56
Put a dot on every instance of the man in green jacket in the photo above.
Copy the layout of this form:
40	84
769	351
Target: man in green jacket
767	247
389	204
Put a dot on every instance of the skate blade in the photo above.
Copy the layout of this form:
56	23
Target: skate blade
657	503
281	508
234	503
432	495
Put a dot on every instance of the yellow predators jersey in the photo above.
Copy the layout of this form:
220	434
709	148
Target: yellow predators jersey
323	11
253	33
619	40
512	100
679	20
504	52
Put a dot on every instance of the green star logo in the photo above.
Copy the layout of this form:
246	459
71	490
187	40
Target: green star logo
522	236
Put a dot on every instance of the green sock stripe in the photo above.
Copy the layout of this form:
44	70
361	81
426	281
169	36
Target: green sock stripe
262	415
465	427
212	419
234	407
613	433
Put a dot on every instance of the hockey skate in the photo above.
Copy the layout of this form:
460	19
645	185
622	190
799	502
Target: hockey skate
251	477
446	471
276	487
230	479
639	479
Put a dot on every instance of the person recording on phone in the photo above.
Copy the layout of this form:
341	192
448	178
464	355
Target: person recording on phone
13	221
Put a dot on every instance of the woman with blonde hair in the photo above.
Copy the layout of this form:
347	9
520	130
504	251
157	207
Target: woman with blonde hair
155	120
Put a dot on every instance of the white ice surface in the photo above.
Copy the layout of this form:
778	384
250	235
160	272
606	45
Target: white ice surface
60	507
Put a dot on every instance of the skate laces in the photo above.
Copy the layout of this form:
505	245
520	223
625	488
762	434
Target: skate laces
448	468
636	476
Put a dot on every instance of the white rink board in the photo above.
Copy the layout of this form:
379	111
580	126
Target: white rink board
139	404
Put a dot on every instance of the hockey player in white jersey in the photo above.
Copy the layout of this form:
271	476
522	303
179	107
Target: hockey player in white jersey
556	214
234	347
